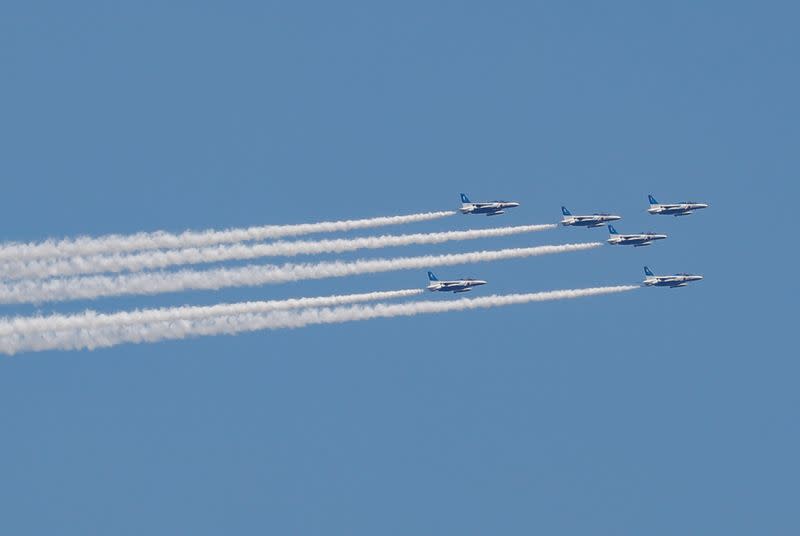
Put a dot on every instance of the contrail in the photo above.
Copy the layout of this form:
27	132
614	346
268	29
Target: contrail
75	339
150	260
27	325
15	251
90	287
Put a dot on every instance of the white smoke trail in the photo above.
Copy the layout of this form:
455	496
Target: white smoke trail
151	260
89	287
75	339
163	240
27	325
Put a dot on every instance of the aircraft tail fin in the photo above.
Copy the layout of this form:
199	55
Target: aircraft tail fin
652	200
612	230
565	212
464	199
648	272
432	277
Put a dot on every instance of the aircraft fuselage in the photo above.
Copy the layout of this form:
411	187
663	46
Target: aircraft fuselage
636	240
672	281
594	220
490	209
676	209
459	285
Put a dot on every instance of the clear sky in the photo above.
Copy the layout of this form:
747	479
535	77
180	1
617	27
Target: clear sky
652	412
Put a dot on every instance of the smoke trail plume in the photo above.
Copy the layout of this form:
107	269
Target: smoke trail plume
84	245
89	287
150	260
74	339
27	325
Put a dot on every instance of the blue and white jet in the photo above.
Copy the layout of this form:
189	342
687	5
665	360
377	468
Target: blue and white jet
673	209
598	219
671	281
458	285
491	208
635	240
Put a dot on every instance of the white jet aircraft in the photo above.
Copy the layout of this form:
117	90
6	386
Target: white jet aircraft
635	240
594	220
492	208
458	285
673	209
671	281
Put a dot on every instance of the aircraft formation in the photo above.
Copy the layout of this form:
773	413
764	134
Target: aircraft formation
598	219
147	263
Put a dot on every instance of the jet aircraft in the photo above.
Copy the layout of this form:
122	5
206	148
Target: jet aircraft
671	281
595	220
635	240
675	209
458	285
492	208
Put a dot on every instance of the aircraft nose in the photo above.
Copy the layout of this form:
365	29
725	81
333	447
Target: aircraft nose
480	282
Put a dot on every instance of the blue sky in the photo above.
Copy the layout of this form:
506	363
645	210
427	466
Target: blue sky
657	411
